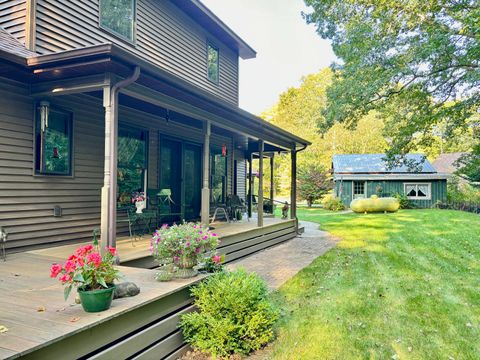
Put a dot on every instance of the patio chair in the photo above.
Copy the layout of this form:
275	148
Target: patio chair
234	204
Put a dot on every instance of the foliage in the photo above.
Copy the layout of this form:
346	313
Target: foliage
458	192
87	269
396	286
235	315
405	202
332	203
182	241
213	264
469	165
414	62
299	110
313	182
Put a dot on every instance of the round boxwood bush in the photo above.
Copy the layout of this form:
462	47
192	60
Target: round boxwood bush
235	315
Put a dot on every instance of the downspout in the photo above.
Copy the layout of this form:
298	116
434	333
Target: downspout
296	217
112	226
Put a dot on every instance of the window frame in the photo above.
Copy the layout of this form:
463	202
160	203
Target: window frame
211	44
364	194
215	151
117	35
416	184
42	173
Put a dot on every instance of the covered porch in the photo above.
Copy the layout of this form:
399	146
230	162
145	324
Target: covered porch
187	150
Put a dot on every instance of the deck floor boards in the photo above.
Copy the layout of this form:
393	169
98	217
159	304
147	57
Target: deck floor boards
32	307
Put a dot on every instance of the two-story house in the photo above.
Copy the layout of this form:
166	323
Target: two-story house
101	98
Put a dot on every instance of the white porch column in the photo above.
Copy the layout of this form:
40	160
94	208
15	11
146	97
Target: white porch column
260	184
205	206
272	185
106	215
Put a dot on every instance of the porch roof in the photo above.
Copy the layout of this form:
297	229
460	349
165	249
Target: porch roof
108	57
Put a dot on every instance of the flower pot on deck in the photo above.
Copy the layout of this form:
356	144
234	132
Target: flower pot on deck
186	266
96	300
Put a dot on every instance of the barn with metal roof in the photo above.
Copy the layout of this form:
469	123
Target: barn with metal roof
363	175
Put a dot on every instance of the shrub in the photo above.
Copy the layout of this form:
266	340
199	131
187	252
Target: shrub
405	203
235	315
333	203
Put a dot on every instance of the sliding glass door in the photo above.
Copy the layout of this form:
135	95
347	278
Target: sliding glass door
181	177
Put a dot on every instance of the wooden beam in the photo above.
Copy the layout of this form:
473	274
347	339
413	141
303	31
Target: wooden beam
205	201
71	86
260	184
272	187
250	185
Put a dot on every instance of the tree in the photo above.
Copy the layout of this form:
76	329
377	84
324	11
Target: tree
415	62
313	183
299	110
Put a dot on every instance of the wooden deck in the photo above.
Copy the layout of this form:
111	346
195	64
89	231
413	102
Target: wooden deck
40	325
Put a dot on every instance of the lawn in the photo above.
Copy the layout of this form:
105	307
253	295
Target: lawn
398	286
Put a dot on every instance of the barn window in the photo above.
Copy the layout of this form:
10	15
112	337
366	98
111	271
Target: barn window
53	140
118	16
212	63
359	189
420	191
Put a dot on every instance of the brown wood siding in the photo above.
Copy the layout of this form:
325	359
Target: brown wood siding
27	201
165	36
12	17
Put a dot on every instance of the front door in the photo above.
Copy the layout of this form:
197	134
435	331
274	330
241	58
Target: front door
181	177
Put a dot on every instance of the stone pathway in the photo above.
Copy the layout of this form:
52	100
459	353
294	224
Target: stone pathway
281	262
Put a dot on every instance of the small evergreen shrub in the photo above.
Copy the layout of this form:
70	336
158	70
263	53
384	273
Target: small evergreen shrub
235	315
405	203
333	203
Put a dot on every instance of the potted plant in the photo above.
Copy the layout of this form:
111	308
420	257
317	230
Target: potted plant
183	246
92	274
139	200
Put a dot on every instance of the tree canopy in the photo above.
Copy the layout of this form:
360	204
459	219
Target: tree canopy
415	62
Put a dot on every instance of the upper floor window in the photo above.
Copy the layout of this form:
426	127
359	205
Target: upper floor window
118	16
212	63
53	140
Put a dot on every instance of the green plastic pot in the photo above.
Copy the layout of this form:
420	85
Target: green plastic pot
96	300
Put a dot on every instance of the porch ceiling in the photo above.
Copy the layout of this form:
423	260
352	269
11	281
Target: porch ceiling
78	69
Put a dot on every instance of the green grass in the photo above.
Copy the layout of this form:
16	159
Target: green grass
401	286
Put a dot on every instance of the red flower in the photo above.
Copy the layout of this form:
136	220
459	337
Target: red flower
65	277
217	259
83	250
112	250
94	258
55	270
70	266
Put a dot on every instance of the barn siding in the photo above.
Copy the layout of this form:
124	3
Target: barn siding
12	17
165	36
438	189
27	201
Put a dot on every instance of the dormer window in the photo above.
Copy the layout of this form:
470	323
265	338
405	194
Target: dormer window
212	63
118	17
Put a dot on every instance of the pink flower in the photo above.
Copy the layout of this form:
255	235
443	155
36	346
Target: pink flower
187	244
55	269
214	234
83	250
197	250
65	277
94	258
205	237
70	266
176	258
112	250
217	259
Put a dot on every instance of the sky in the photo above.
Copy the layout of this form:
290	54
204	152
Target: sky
287	48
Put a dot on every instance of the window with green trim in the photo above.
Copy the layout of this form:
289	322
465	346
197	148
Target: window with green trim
118	16
53	142
212	63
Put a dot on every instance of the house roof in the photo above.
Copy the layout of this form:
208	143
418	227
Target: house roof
445	163
12	46
208	20
375	164
385	177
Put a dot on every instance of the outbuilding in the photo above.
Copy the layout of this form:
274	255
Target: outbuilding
363	175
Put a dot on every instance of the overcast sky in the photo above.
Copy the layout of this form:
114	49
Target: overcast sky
287	48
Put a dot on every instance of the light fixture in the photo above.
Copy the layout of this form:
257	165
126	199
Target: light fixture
44	113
